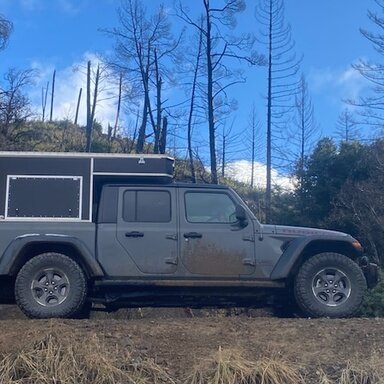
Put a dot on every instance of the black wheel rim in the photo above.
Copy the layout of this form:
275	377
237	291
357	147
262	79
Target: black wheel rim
331	287
50	287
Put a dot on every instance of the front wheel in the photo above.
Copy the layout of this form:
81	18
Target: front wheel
50	285
329	285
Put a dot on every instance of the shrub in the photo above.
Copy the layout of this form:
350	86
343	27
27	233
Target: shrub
373	305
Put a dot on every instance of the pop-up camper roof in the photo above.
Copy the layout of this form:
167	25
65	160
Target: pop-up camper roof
55	185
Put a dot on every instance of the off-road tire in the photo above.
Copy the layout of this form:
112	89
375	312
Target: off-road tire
51	285
317	292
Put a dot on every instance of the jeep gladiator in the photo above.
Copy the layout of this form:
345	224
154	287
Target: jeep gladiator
70	237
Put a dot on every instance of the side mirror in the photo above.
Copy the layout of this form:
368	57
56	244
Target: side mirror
241	216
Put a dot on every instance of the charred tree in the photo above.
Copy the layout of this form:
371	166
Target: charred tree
144	52
44	97
78	106
52	94
88	131
254	141
371	105
15	106
220	46
192	105
5	31
282	83
305	134
118	106
92	99
346	126
163	136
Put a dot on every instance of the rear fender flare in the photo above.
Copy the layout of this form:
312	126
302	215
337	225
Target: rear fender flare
16	254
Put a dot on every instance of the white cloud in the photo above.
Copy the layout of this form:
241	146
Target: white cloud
241	170
352	83
320	78
67	86
346	83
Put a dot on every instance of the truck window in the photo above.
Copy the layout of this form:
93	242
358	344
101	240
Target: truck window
147	206
208	207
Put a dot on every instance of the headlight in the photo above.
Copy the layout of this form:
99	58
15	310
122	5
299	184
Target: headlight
356	244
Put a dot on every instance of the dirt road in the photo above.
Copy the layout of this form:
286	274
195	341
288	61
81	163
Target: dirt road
177	341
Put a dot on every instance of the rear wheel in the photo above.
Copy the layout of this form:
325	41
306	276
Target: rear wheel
329	285
51	285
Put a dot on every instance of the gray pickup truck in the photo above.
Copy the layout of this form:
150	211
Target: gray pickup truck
117	231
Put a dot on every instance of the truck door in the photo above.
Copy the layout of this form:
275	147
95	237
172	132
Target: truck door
212	244
147	228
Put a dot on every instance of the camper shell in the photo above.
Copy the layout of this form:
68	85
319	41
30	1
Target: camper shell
66	186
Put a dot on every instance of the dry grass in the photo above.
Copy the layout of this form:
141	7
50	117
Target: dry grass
323	378
369	372
230	367
356	375
53	361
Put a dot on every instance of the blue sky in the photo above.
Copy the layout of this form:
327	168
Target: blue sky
60	34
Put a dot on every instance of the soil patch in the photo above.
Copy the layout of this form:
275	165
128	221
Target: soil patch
178	339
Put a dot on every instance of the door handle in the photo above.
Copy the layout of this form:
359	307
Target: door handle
193	235
170	260
171	236
134	234
250	262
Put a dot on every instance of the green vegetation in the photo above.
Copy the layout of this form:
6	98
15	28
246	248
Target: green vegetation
373	305
342	190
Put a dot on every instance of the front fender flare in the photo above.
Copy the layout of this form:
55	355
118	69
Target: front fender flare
297	247
9	259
